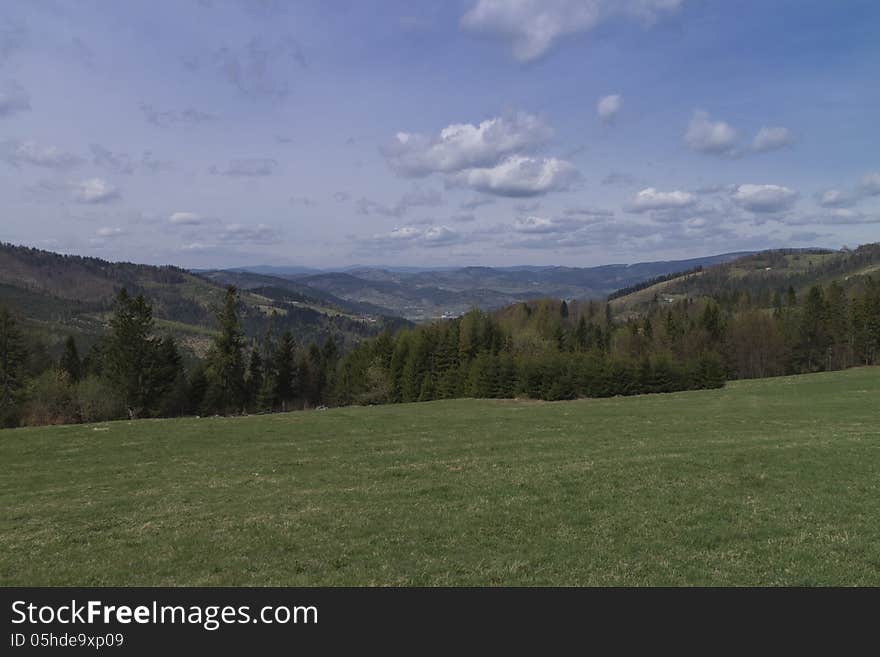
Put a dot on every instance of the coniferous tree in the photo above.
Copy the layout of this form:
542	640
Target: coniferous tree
130	352
70	362
225	360
255	379
12	360
285	371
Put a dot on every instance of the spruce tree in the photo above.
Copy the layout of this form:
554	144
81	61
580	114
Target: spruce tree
226	358
285	371
254	382
70	362
12	360
130	353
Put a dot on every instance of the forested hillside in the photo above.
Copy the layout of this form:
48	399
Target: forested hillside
56	295
772	314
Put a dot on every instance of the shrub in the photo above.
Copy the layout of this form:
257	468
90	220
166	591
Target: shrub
97	401
50	400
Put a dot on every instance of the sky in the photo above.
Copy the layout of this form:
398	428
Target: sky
221	133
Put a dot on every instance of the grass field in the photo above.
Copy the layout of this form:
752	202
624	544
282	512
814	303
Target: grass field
773	481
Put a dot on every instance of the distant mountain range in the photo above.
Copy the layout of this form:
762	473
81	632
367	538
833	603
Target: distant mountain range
58	295
422	294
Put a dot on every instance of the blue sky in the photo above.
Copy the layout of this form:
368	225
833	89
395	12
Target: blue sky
498	132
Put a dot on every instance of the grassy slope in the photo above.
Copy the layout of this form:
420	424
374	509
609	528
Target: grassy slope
765	482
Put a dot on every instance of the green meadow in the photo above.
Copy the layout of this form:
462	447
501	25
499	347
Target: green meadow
763	482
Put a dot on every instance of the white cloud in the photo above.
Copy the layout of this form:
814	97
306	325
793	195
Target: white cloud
870	184
608	107
711	137
29	152
95	190
548	226
533	26
519	176
764	198
13	99
771	139
463	145
186	219
652	199
410	236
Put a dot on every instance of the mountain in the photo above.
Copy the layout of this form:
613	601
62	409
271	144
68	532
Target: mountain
428	294
58	295
762	276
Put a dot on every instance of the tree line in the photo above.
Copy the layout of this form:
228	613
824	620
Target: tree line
543	349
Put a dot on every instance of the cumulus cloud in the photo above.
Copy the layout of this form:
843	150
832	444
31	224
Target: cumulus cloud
710	137
247	167
651	199
17	153
532	27
464	145
13	99
261	69
771	139
173	119
519	176
94	191
764	198
608	107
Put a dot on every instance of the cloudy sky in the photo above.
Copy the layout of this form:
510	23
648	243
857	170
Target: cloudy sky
328	133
